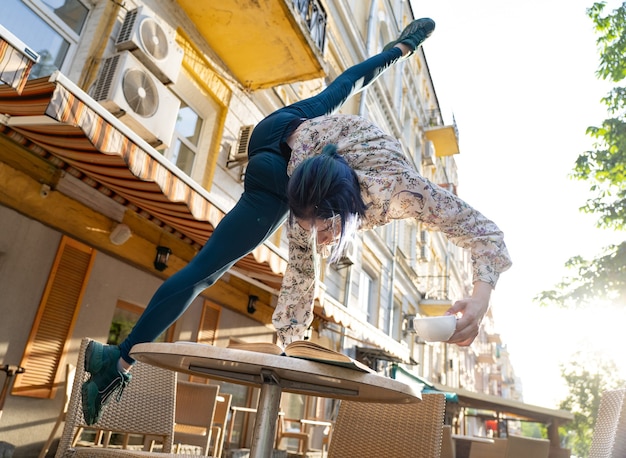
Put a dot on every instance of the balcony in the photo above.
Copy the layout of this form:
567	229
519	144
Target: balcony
485	353
264	43
494	338
445	138
434	307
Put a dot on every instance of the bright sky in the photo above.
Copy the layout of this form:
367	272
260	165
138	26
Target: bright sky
519	78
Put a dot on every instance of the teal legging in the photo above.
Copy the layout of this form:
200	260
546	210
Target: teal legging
262	207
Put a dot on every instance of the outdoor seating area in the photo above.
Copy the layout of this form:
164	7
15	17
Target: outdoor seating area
162	415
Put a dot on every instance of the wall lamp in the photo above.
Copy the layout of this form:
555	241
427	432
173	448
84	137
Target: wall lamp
252	303
162	255
120	234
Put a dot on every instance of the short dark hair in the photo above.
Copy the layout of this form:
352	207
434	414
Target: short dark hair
324	186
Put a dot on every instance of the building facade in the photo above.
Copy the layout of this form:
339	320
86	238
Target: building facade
127	145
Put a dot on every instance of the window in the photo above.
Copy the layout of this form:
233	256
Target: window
71	12
195	129
50	27
124	318
186	136
396	320
367	298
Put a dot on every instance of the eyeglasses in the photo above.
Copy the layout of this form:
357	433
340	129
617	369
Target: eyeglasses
330	224
325	229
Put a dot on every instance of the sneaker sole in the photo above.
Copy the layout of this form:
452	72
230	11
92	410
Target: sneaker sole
411	29
89	417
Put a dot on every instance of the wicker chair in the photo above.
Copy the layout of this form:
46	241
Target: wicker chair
495	449
70	372
447	444
609	435
146	408
218	430
525	447
372	430
195	408
302	437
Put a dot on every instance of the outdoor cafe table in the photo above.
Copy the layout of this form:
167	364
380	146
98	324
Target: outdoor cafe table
273	375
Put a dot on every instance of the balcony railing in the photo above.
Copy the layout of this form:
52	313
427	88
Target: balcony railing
315	18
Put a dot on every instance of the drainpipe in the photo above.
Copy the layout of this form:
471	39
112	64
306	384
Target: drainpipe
104	30
371	33
346	301
394	254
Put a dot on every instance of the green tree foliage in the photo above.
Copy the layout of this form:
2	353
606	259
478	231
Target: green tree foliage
604	167
600	279
586	380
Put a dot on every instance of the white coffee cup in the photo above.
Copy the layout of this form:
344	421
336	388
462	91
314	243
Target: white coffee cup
435	328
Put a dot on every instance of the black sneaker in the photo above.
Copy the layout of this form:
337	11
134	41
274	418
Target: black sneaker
414	35
105	380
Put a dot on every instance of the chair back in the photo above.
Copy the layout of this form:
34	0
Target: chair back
447	444
525	447
495	449
372	430
609	434
283	432
558	452
146	407
70	375
195	408
218	430
221	410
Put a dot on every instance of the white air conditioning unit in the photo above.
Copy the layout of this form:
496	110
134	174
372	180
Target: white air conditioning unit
128	90
238	154
350	253
153	42
428	158
409	324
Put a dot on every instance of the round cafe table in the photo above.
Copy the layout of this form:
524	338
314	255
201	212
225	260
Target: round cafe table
273	375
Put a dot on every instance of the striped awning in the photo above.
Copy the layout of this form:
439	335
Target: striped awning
16	60
75	132
330	310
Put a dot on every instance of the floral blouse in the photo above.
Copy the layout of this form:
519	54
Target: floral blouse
392	189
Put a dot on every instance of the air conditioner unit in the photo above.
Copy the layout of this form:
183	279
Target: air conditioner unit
428	158
153	42
409	324
238	154
351	252
128	90
349	256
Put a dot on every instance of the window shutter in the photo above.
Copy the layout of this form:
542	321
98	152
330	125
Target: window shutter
56	316
207	332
